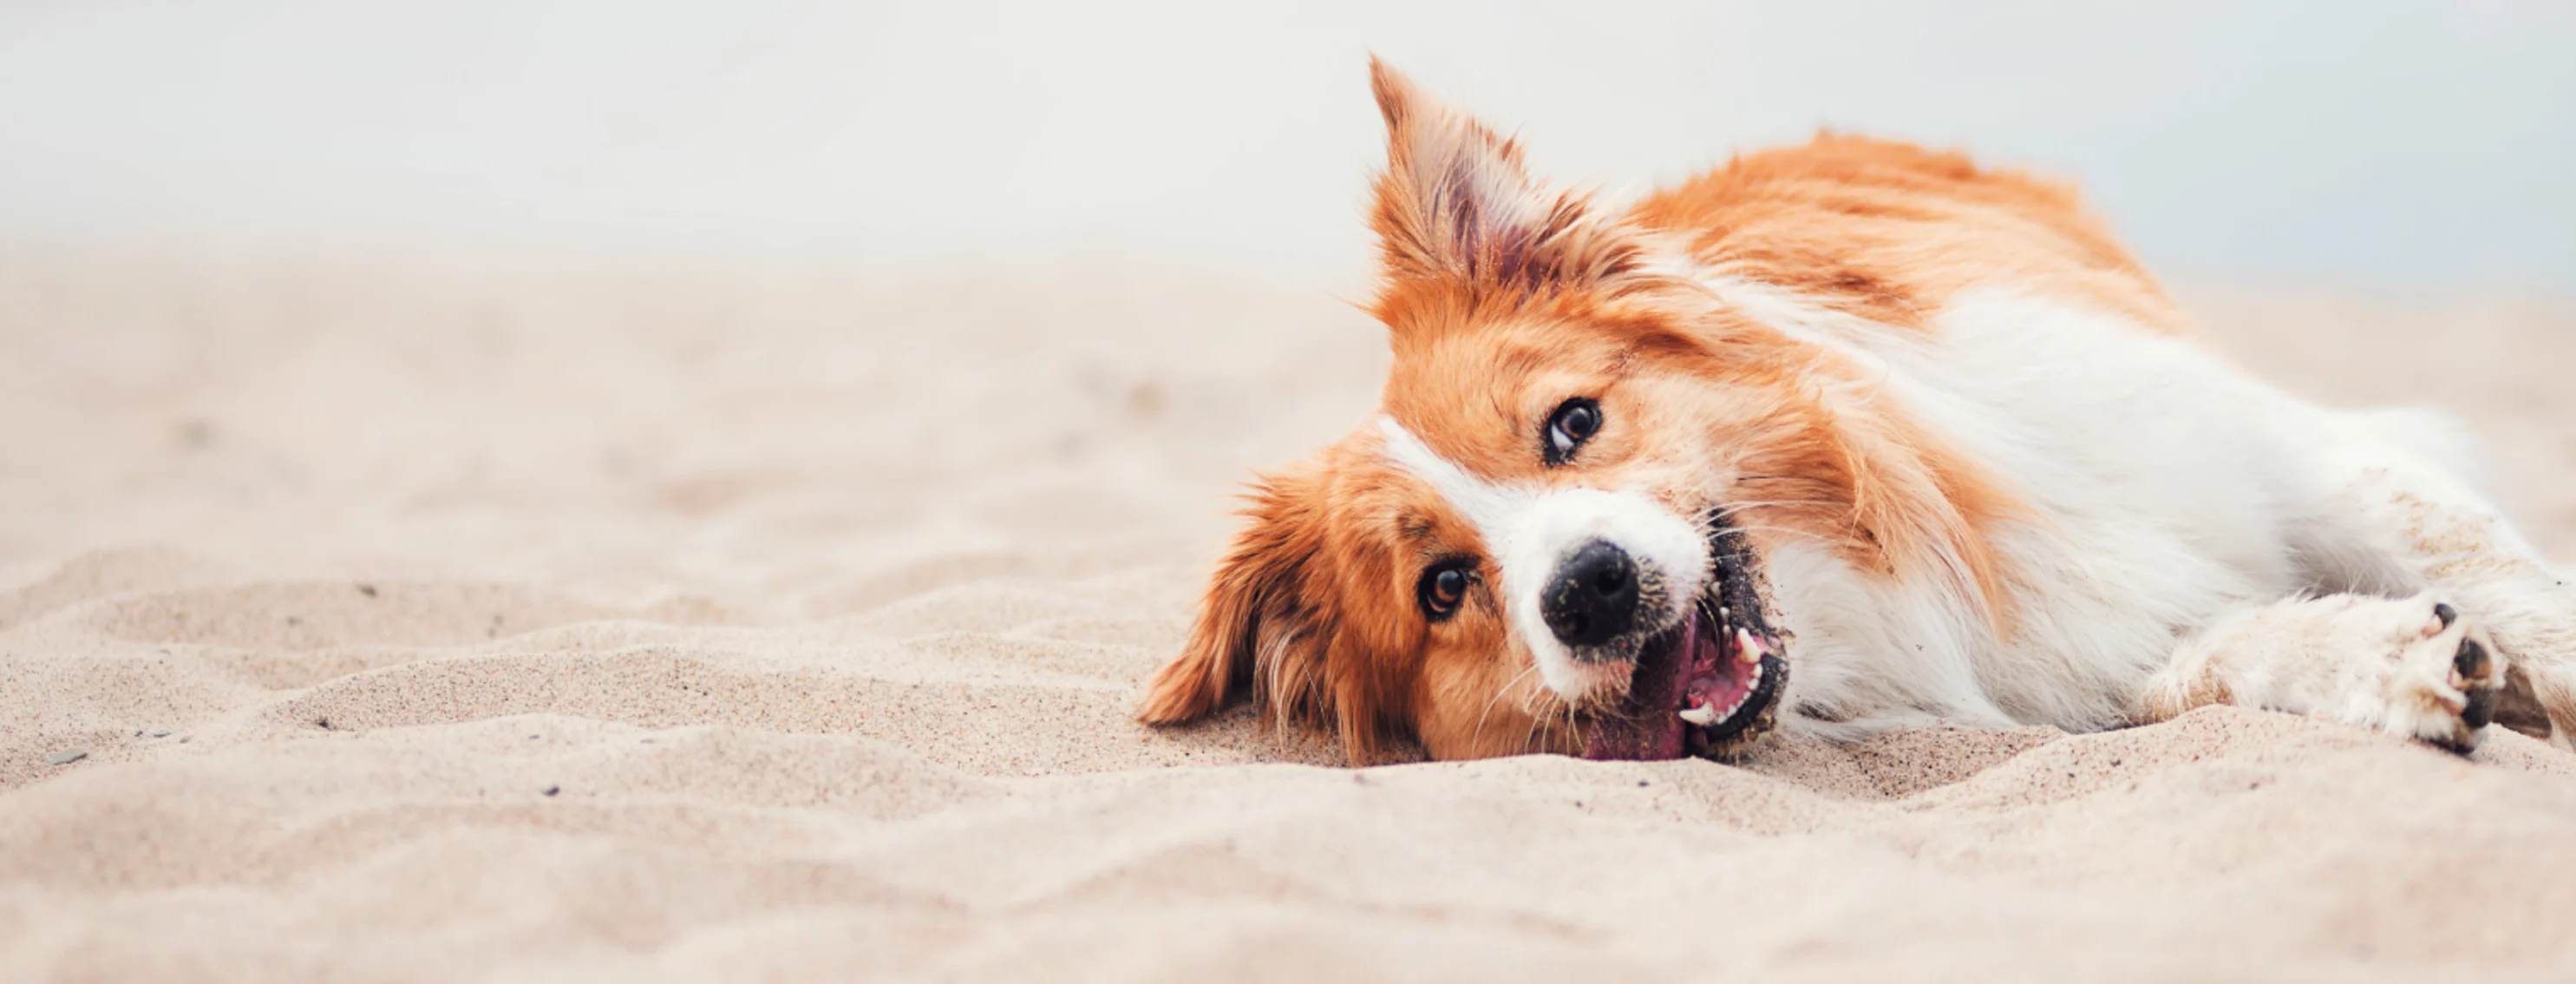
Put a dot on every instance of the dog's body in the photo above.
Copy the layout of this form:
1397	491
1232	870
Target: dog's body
1840	438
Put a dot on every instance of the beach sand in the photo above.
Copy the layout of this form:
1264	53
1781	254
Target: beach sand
378	620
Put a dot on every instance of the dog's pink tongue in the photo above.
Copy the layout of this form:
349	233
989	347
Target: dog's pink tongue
1640	740
1654	731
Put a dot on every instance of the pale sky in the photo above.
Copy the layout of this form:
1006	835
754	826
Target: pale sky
2413	146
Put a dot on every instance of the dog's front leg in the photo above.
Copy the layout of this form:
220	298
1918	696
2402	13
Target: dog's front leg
2413	667
2388	516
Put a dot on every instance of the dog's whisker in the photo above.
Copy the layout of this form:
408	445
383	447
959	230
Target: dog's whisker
1739	505
1790	530
1506	689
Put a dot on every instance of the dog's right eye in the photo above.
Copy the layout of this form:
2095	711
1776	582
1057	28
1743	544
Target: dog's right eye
1574	422
1442	589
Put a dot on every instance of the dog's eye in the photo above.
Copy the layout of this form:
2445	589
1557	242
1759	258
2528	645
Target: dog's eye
1442	589
1574	422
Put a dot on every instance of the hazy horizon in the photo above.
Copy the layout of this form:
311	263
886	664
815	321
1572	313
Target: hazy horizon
2414	147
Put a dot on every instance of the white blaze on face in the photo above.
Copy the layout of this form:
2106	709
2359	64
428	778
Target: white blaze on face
1530	529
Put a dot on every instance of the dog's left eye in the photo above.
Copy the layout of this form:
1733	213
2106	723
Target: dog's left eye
1574	422
1441	590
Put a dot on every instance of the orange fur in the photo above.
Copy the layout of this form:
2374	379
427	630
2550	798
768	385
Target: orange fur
1283	620
1889	231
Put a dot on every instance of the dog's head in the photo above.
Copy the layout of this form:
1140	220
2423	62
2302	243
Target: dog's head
1555	535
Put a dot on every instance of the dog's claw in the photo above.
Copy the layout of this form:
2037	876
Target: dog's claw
2472	664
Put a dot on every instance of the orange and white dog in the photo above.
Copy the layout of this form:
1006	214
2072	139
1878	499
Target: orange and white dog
1834	439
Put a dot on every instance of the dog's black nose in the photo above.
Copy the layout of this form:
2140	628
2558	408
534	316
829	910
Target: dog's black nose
1594	596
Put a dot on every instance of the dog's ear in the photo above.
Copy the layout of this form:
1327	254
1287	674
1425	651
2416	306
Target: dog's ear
1257	632
1454	201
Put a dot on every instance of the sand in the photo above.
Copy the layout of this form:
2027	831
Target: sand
641	620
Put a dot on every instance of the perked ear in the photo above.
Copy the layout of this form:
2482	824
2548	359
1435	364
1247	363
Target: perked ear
1255	632
1455	202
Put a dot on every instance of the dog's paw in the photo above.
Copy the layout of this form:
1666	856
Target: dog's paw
2440	679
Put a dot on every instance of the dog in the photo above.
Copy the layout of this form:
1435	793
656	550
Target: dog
1831	440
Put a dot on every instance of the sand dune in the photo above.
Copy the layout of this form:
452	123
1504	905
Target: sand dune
545	621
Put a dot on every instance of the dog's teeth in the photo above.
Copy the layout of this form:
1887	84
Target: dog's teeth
1747	650
1702	716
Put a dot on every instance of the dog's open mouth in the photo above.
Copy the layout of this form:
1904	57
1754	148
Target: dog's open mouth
1705	687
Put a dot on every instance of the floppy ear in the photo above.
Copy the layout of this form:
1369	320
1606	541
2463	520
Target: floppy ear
1454	201
1255	632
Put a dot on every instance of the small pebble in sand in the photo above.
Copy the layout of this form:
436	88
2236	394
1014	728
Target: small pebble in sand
66	758
551	790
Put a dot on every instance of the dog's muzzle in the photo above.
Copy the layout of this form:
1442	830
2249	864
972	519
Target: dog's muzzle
1704	682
